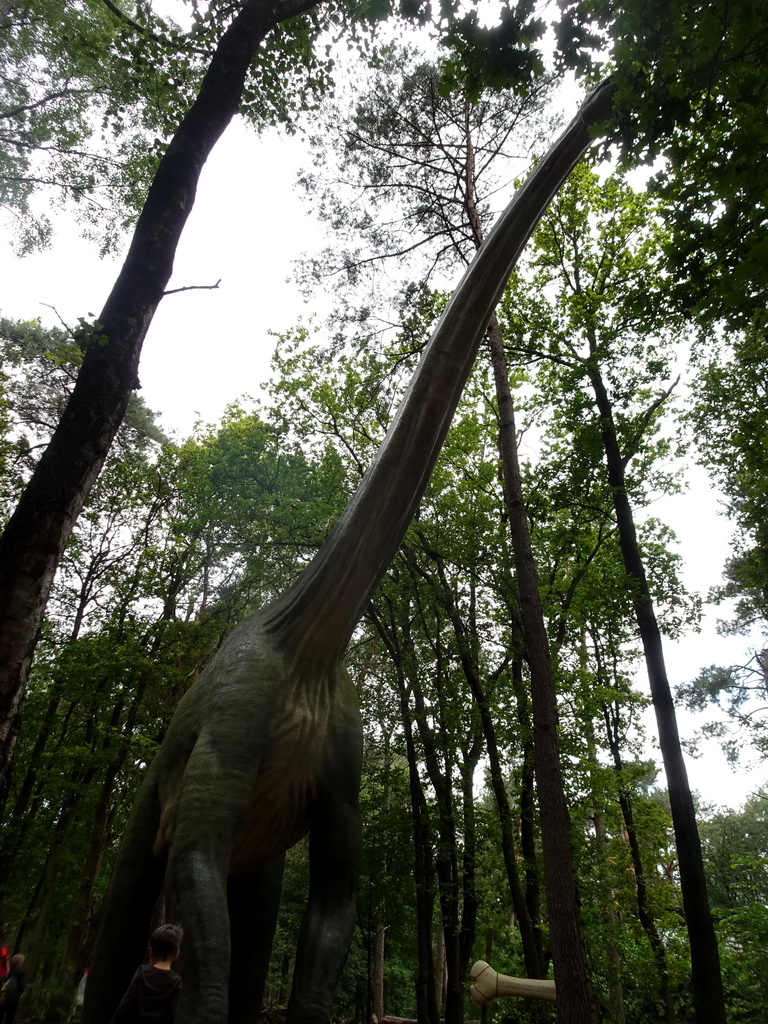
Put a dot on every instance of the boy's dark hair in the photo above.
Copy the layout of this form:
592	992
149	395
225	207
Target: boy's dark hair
165	941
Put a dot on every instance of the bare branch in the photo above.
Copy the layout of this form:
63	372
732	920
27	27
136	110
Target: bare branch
15	111
193	287
179	44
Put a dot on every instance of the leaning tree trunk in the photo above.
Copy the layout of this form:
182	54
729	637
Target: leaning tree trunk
576	1001
35	537
707	986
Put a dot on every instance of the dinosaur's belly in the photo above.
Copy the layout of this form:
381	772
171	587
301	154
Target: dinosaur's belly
283	797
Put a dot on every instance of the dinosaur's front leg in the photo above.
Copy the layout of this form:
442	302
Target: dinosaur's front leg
212	805
326	930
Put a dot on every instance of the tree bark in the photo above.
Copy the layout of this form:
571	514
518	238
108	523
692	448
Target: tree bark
446	867
469	899
576	1000
34	539
707	986
99	834
426	1001
378	970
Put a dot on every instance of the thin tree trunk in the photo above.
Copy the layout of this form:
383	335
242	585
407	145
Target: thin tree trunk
34	539
49	891
378	970
379	949
441	969
49	719
99	834
707	986
426	1002
451	879
447	870
576	1001
469	901
613	957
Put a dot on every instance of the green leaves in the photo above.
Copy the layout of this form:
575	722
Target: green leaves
729	420
496	57
89	333
691	79
71	124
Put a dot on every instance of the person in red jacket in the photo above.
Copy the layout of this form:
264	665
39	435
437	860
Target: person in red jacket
153	994
13	985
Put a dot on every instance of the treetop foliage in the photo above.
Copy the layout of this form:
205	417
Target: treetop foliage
39	368
92	90
735	450
691	78
84	111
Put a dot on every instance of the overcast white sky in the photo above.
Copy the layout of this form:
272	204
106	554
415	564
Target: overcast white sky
206	348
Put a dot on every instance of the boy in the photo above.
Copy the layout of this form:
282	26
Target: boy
153	995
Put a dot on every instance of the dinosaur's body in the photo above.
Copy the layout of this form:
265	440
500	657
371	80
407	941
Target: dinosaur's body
266	745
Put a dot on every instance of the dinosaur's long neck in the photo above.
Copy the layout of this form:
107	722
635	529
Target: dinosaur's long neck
317	615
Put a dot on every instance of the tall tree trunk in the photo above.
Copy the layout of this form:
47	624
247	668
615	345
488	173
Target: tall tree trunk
576	1001
613	957
707	986
379	946
449	875
446	868
34	539
452	882
99	834
380	918
469	900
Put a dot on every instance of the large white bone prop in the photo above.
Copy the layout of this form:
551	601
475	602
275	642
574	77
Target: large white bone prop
487	984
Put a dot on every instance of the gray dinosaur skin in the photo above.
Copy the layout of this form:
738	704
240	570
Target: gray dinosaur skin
266	745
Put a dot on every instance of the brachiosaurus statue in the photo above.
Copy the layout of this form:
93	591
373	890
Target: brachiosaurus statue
266	744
